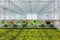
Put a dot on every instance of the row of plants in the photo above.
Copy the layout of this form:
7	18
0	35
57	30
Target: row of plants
5	32
52	34
30	34
11	35
24	23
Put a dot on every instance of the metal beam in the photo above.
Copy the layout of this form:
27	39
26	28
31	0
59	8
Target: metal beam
16	6
49	7
45	7
54	6
30	6
10	10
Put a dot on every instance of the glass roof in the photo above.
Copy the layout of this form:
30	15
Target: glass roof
29	6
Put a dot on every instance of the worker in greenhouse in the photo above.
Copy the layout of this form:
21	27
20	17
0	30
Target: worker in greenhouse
49	23
11	22
16	24
34	25
42	24
1	24
5	24
24	24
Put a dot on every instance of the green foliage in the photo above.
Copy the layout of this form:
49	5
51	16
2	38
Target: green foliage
29	34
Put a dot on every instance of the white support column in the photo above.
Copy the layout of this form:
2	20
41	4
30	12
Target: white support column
38	16
56	16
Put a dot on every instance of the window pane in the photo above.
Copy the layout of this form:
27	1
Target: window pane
31	16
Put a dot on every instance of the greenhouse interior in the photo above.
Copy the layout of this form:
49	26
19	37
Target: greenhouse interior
29	19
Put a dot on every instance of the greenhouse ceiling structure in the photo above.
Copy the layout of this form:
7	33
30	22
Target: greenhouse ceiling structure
29	9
